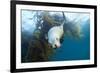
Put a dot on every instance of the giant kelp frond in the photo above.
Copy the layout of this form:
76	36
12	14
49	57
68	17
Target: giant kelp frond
73	29
49	18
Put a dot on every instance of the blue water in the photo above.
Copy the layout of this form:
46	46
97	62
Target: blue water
74	49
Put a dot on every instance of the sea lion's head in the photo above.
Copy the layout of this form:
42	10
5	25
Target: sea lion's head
54	36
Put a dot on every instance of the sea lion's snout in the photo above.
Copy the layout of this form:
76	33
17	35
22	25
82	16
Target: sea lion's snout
57	45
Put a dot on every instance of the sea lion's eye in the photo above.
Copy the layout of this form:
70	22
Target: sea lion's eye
61	40
57	39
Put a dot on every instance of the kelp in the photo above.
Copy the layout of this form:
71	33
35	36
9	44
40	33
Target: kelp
49	18
39	49
72	28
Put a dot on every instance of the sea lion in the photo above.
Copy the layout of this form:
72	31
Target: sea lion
54	36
